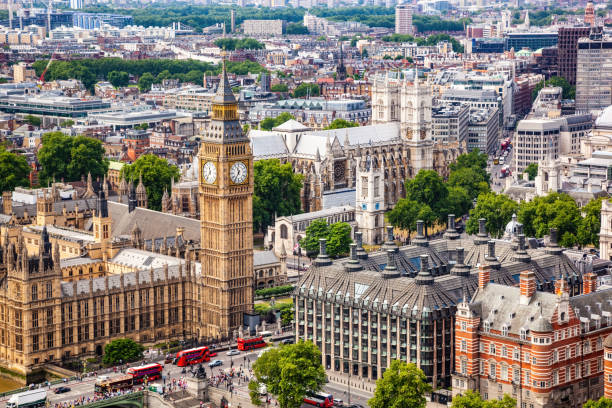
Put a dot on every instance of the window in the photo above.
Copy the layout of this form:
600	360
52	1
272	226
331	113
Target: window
504	372
523	334
504	330
492	349
492	370
35	342
34	292
555	377
516	355
49	290
283	231
49	316
463	366
463	345
463	326
35	319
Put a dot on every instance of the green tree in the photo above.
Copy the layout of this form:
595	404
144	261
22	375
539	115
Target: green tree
458	201
338	239
569	91
157	175
555	210
232	44
33	120
296	29
427	187
603	402
471	399
145	81
122	351
403	385
497	209
470	179
428	216
404	215
304	88
473	160
14	170
118	78
317	230
341	124
279	88
276	192
532	170
67	123
70	158
289	373
588	230
271	123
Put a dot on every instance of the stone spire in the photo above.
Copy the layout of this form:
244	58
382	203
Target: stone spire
90	190
224	92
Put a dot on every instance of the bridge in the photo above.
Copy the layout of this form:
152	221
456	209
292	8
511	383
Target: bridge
132	400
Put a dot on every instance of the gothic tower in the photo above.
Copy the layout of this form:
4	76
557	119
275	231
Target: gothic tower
226	218
102	225
370	212
415	123
141	194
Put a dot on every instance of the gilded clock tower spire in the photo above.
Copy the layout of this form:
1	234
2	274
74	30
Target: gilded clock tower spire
226	217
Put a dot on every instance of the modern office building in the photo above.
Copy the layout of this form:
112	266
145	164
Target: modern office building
532	40
400	302
594	72
568	50
483	130
263	27
403	19
52	106
97	20
449	123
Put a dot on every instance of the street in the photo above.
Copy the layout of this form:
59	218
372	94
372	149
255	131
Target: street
241	362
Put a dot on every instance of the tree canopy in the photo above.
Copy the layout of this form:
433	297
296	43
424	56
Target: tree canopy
532	170
555	210
471	399
231	44
296	29
276	192
89	70
70	158
338	236
271	123
289	373
33	120
157	175
122	351
118	78
603	402
404	214
403	385
497	209
341	124
569	91
279	88
303	90
588	230
428	188
14	170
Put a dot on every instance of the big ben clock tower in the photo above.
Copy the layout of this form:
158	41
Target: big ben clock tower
226	217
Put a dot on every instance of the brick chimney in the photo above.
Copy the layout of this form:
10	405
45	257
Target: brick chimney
589	283
560	286
528	286
484	276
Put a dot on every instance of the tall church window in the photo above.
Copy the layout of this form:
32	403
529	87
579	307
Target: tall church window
376	187
364	187
283	231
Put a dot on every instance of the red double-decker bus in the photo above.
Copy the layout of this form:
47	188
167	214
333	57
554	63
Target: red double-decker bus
250	343
150	371
319	400
192	356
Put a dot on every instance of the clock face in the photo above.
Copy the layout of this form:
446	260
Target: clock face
238	172
209	172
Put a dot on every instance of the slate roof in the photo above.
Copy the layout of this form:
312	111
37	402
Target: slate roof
264	258
163	225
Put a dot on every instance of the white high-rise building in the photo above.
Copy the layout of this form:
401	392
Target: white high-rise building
594	72
403	19
76	4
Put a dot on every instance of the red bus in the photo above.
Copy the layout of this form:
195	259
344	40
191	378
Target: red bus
192	356
319	400
150	371
250	343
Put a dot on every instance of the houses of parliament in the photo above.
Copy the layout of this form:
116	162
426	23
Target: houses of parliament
76	274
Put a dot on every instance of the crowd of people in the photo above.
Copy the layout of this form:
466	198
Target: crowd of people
82	400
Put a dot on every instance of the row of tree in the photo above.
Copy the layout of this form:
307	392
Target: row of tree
89	71
433	39
231	44
576	226
429	198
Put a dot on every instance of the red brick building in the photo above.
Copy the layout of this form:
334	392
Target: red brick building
543	349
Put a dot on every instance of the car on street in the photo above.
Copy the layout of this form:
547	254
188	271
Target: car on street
212	354
61	390
288	341
233	352
215	363
338	402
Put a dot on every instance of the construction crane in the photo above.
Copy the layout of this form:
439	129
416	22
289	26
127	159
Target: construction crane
41	80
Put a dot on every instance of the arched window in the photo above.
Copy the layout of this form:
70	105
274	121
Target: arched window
283	231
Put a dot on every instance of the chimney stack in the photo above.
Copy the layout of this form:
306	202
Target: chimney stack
528	286
589	283
484	276
451	231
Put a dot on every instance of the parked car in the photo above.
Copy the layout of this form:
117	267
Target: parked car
215	363
288	341
233	352
338	402
61	390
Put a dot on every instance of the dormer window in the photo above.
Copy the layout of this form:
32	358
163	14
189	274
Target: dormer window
523	334
487	326
504	330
